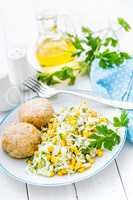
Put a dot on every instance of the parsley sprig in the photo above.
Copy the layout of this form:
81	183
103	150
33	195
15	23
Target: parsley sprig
65	73
103	138
124	24
105	48
110	58
122	121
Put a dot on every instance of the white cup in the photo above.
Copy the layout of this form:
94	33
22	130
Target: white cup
10	95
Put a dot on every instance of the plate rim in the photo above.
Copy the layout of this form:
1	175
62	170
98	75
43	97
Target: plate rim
8	173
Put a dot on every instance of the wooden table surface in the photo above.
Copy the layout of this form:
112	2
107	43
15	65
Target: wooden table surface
17	27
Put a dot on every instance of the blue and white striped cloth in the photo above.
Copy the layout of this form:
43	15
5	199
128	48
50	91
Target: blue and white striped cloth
115	83
2	115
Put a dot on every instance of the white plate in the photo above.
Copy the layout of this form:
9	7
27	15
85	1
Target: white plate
16	168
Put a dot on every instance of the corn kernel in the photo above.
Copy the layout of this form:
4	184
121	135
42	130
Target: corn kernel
51	173
62	172
71	167
82	169
77	113
55	140
63	143
99	152
91	160
73	161
50	149
72	164
71	149
86	133
77	152
54	159
74	149
78	165
103	120
72	120
93	114
48	156
68	142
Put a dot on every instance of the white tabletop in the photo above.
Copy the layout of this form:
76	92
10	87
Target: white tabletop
116	181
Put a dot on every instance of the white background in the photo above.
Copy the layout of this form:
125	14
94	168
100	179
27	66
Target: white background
17	26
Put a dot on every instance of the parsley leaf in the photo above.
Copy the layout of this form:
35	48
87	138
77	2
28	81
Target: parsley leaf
84	68
124	24
109	59
103	138
77	43
109	40
66	73
122	121
86	30
97	47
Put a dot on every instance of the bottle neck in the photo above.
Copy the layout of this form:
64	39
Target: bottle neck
47	26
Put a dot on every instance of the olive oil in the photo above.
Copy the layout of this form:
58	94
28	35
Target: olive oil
55	52
53	48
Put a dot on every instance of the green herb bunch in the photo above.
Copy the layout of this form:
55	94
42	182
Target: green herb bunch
105	48
89	47
105	137
65	73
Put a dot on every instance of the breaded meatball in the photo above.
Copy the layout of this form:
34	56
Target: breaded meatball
36	111
20	140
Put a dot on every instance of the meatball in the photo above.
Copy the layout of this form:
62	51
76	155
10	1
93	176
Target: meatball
21	140
36	111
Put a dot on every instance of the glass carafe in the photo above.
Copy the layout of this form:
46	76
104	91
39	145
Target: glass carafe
53	47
